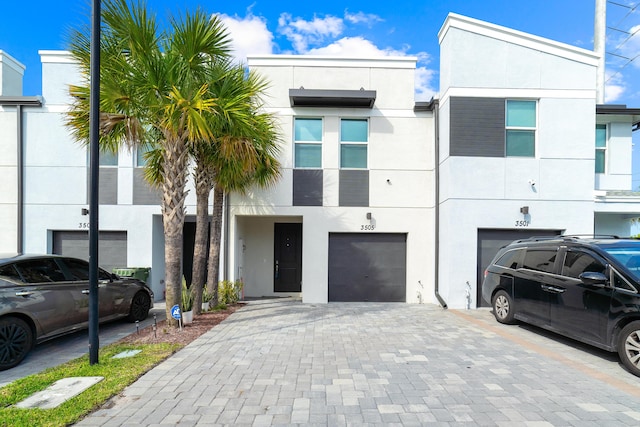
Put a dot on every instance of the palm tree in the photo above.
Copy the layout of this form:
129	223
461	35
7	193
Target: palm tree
242	154
154	89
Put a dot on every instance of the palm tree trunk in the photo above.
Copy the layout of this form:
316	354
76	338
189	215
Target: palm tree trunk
173	213
214	248
203	189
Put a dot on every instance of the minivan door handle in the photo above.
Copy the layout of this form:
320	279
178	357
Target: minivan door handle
552	289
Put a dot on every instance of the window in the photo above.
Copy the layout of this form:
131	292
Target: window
540	260
40	271
78	269
520	128
354	134
308	143
601	148
107	158
141	152
510	259
576	263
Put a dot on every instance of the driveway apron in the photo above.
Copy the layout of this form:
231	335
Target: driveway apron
281	362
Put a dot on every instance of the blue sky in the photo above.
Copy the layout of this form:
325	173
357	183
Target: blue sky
356	28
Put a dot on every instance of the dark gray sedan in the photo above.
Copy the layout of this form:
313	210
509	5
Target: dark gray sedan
44	296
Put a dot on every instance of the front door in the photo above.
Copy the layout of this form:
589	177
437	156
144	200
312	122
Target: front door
287	257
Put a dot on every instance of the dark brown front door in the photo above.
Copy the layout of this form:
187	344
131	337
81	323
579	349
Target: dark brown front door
287	256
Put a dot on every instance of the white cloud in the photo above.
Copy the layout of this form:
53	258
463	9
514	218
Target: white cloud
614	87
250	35
362	18
302	33
424	84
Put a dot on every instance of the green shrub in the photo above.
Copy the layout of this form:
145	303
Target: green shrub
229	292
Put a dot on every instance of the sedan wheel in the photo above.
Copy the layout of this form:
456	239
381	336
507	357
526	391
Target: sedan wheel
629	347
16	340
140	306
503	307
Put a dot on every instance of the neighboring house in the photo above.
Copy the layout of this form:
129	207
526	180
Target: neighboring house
381	198
517	148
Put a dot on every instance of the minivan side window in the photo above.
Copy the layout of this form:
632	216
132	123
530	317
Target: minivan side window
510	259
540	260
576	263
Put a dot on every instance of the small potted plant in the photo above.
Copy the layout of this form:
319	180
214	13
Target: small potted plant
206	297
187	304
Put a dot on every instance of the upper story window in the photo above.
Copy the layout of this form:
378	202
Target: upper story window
601	148
354	136
107	158
520	128
141	151
308	143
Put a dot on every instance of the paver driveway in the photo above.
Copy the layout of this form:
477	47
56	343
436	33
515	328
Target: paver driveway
281	362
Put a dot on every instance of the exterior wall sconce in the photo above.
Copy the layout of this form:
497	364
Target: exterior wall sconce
389	181
369	216
84	211
524	210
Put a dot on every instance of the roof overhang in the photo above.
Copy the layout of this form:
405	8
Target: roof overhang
332	98
34	101
620	110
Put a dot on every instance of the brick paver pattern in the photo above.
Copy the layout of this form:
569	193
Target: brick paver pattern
281	362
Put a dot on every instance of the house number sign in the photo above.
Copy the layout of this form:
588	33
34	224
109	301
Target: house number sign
522	223
367	227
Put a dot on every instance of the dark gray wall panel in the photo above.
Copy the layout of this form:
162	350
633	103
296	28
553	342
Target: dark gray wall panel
107	188
354	188
367	267
307	187
112	247
477	127
143	193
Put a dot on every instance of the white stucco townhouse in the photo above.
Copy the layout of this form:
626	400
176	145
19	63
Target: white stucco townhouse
381	198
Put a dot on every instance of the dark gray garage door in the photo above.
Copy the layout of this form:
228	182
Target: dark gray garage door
112	247
490	242
367	267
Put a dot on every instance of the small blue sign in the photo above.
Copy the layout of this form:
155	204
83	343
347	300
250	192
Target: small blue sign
175	312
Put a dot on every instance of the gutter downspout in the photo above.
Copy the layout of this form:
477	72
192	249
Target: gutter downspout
435	105
20	172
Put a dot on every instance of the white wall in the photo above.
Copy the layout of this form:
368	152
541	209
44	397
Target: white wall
479	59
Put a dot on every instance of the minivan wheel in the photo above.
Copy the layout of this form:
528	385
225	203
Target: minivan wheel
503	307
629	347
16	340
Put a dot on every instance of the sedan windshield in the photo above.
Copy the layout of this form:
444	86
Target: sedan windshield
627	256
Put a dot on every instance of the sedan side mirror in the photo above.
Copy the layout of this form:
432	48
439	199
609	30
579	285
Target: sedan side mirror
592	278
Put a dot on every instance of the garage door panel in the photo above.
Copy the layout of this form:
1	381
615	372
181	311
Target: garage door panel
112	247
367	267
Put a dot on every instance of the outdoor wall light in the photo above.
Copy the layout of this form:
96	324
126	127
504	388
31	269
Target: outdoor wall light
524	210
84	211
369	215
389	181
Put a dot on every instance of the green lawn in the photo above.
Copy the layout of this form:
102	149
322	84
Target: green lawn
117	373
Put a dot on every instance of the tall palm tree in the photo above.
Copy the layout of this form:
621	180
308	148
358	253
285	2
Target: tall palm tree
154	88
243	153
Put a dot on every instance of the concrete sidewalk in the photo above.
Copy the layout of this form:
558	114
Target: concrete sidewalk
279	362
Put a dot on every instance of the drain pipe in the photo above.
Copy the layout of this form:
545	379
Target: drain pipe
435	106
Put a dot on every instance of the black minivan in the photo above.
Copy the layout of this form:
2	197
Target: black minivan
583	288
